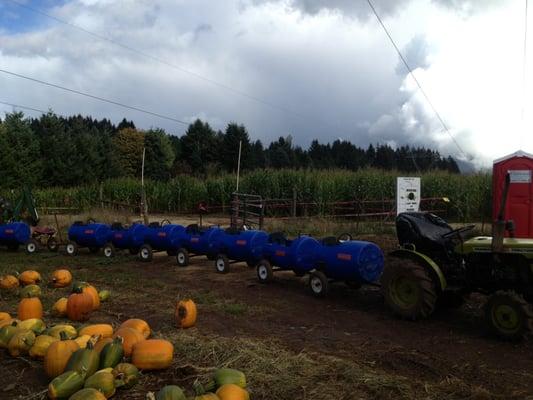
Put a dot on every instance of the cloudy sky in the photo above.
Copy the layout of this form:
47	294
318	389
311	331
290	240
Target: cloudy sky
310	68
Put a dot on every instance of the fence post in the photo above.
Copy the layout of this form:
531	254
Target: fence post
294	200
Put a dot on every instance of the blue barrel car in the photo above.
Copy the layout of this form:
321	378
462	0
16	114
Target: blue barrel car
239	245
91	235
161	236
125	238
343	259
16	234
279	253
198	241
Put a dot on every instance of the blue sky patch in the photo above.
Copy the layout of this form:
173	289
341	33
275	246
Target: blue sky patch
19	19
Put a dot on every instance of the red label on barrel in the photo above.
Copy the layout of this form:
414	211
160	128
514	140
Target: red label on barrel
88	232
344	256
195	240
162	234
280	253
118	236
9	231
241	242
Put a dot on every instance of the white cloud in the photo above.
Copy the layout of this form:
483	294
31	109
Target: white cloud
340	73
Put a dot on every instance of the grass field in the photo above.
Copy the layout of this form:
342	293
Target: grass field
289	344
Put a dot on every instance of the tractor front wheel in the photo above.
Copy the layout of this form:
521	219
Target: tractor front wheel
509	316
408	290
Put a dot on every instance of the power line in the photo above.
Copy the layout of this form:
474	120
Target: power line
94	97
168	64
414	78
23	107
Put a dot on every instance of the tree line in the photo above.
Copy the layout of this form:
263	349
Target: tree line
68	151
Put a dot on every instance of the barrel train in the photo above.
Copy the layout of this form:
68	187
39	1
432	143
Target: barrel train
330	259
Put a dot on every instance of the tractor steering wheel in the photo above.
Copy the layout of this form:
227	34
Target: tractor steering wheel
458	231
165	222
345	237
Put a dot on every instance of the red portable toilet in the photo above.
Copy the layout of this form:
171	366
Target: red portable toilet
519	207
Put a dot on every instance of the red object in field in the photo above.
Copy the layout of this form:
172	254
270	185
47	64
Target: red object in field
519	207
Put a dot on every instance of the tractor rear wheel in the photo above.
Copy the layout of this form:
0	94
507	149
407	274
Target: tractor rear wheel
408	289
509	316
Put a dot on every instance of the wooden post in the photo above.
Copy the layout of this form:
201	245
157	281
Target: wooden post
294	200
239	166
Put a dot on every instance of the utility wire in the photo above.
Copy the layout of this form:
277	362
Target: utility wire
168	64
416	80
23	107
94	97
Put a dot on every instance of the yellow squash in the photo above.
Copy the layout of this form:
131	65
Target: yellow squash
102	330
41	345
21	343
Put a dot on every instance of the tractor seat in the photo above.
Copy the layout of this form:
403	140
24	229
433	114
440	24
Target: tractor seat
423	230
44	230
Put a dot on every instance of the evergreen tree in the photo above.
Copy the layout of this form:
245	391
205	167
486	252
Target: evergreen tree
230	147
159	155
128	147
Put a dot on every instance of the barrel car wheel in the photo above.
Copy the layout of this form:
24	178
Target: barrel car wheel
182	257
109	250
222	264
32	246
265	273
318	284
72	248
146	253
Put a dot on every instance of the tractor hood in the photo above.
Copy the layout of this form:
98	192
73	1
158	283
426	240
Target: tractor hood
482	244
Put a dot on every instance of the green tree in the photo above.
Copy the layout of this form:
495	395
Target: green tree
230	147
200	146
128	147
159	154
24	147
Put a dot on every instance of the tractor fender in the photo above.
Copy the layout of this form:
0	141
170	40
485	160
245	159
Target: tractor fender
430	265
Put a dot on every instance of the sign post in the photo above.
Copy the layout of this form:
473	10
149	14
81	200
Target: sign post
407	194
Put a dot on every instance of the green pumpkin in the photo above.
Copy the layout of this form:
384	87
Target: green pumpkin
6	333
223	376
85	361
104	295
171	392
65	385
126	375
104	381
87	394
112	353
30	291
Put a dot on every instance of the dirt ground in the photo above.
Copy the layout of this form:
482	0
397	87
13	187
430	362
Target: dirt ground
452	348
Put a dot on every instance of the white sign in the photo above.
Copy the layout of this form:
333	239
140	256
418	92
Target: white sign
407	194
520	176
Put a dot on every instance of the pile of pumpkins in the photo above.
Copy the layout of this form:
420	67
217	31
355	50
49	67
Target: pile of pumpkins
225	384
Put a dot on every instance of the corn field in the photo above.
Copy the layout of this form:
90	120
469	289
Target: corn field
470	195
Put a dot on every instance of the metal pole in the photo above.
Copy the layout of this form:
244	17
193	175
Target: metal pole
239	165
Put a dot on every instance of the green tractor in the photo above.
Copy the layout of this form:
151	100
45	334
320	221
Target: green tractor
437	264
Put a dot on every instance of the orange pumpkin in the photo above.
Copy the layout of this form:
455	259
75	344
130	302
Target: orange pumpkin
89	289
131	337
4	316
185	313
139	325
30	307
79	306
102	330
61	278
58	354
232	392
9	282
101	343
60	307
152	354
30	277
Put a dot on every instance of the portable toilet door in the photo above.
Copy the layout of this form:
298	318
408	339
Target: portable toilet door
519	207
